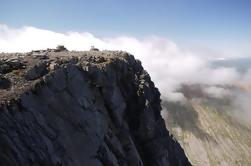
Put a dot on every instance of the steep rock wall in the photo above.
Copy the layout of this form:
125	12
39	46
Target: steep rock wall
82	108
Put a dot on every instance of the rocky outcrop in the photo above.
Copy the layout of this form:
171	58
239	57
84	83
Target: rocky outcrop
83	108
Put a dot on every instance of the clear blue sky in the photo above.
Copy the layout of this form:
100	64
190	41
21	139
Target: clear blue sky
178	19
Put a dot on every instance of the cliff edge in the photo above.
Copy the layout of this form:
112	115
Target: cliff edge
93	108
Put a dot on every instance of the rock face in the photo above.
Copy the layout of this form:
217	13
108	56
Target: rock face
82	108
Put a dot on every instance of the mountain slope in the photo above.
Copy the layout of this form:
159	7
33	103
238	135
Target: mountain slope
208	131
81	108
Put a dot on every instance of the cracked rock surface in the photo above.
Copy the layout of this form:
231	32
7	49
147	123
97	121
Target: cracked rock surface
97	108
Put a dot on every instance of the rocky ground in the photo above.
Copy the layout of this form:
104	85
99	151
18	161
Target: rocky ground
92	108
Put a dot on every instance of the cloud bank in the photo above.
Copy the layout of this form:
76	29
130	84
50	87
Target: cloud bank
168	64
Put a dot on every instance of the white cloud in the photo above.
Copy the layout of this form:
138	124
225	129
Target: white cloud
217	92
241	106
168	64
247	76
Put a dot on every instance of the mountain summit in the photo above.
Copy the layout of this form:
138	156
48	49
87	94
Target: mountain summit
88	108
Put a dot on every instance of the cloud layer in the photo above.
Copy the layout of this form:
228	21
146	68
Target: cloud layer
169	65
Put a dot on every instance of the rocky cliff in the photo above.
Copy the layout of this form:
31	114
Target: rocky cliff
92	108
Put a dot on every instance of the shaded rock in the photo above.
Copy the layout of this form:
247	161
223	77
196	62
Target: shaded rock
85	112
4	83
37	71
10	65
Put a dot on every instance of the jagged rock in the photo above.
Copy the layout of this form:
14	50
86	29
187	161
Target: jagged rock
7	66
85	112
37	71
